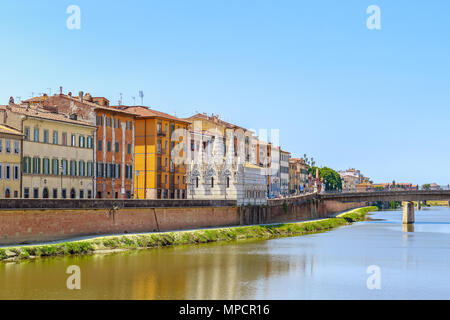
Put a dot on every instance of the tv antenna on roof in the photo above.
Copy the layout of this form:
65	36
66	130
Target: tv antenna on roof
120	101
141	95
134	100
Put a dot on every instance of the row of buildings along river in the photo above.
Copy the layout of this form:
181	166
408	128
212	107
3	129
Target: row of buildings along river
81	147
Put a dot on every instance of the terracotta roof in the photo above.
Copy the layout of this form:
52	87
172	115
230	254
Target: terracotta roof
216	119
37	112
145	112
76	99
8	130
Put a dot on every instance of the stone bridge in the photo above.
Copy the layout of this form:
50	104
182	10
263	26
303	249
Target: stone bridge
406	197
413	195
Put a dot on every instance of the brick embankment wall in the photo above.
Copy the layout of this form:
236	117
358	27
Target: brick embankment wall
40	225
300	210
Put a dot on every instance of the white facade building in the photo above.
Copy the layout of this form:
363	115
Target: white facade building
284	172
222	161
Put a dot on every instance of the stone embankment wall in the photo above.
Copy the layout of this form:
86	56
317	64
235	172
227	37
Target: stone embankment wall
32	223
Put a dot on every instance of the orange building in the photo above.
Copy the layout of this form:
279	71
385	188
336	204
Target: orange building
113	141
160	154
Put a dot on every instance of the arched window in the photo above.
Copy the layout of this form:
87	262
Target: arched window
45	193
7	193
73	195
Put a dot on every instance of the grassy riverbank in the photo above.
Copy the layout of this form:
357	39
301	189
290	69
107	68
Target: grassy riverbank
152	240
435	203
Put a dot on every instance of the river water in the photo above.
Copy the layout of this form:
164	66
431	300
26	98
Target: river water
411	264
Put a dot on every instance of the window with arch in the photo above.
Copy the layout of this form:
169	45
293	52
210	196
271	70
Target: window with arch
7	193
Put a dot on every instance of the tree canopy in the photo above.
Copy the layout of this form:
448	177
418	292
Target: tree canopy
331	178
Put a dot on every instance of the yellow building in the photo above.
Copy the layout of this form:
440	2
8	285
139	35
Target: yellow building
57	152
10	160
160	154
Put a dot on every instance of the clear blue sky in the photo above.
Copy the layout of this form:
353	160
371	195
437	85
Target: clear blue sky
377	100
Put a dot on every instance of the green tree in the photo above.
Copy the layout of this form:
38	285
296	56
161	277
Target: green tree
426	186
332	179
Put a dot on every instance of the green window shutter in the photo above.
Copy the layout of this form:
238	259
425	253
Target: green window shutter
39	165
57	166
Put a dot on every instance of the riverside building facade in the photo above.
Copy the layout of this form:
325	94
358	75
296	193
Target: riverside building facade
57	152
10	162
160	154
113	140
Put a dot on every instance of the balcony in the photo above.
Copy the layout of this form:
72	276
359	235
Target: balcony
161	169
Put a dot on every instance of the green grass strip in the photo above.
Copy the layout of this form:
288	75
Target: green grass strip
152	240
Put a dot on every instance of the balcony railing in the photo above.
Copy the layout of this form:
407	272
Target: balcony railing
161	133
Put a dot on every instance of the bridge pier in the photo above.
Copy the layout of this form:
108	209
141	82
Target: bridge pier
408	212
419	206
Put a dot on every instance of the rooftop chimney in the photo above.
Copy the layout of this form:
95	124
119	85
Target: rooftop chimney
60	91
80	96
70	94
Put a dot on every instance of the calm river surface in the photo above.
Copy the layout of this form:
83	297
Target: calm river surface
331	265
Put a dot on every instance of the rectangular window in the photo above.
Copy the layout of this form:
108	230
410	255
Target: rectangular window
89	142
129	148
26	165
45	136
55	193
26	193
99	121
117	173
117	147
64	193
27	133
99	145
73	168
108	146
100	170
36	134
16	172
81	141
81	168
89	169
46	166
36	193
55	166
36	165
8	146
74	141
16	147
1	145
64	167
1	171
55	137
64	139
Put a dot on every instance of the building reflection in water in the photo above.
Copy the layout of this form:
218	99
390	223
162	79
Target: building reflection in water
213	271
